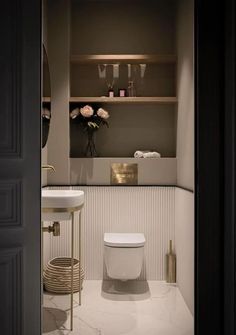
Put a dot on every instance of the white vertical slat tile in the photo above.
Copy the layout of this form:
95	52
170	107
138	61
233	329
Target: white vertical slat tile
148	210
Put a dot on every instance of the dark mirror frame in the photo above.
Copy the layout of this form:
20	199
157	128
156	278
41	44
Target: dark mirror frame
46	105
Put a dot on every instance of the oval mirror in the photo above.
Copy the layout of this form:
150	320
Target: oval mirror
46	105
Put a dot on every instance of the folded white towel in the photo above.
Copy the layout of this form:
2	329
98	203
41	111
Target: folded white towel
138	154
153	154
146	154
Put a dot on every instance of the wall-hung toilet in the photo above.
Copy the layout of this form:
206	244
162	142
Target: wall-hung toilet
123	254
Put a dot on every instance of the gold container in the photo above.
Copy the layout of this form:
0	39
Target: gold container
170	265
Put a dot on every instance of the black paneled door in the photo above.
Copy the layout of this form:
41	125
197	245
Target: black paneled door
20	54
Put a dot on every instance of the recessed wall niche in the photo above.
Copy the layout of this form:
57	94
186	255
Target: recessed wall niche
118	30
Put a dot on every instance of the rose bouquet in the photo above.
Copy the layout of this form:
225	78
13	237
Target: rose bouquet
91	121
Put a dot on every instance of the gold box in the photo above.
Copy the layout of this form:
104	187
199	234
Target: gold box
124	174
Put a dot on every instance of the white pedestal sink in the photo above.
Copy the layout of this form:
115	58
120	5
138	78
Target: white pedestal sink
57	205
60	205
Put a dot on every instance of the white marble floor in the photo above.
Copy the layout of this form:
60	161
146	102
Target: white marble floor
116	308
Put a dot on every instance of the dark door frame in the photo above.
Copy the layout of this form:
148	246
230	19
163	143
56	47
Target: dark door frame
215	167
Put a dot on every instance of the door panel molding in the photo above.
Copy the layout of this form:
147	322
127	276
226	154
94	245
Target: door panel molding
10	122
10	203
11	288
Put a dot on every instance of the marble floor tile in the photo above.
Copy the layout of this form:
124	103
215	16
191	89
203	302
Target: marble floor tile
116	308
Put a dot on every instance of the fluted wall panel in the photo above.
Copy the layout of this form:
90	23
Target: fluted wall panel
148	210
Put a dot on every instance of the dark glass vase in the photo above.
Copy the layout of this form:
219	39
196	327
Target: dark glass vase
90	150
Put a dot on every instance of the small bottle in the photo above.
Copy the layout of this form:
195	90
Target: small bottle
131	89
122	92
111	93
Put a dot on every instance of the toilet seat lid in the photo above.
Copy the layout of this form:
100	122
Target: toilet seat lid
128	240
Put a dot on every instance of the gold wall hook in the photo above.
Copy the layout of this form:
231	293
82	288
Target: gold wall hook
48	167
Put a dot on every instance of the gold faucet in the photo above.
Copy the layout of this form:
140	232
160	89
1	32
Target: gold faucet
54	229
48	167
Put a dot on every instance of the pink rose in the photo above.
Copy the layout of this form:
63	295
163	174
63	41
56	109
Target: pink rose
74	113
86	111
103	113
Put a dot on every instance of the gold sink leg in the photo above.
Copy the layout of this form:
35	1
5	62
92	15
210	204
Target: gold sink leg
72	272
72	265
80	248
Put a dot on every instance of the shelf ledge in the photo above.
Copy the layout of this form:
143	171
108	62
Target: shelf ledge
124	59
158	100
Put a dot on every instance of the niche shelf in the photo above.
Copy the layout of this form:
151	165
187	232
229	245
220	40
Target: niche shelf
124	59
146	119
125	100
149	96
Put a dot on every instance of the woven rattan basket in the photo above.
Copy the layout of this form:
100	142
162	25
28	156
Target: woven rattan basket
57	276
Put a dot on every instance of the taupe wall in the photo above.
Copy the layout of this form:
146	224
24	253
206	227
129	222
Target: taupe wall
125	27
89	171
185	87
184	244
59	56
184	206
131	128
159	80
152	31
44	160
59	64
45	23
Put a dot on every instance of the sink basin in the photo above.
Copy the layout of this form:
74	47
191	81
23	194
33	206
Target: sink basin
57	205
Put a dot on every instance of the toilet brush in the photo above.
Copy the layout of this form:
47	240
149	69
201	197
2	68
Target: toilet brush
170	265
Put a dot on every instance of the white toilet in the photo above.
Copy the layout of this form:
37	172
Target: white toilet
123	253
